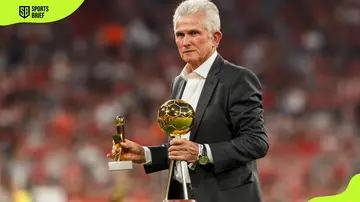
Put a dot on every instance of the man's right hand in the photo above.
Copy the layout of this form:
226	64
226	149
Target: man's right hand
131	151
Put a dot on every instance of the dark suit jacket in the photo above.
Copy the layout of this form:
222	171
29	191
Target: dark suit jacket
229	117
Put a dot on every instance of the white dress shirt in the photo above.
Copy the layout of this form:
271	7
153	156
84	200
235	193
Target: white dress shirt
194	85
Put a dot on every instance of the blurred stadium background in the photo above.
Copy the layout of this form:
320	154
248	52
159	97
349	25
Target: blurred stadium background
62	84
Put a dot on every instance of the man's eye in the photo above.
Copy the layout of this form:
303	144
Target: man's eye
193	33
179	35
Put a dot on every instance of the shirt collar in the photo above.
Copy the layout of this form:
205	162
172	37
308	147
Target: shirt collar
203	69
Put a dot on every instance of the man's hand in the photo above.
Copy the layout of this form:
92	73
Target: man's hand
183	150
131	151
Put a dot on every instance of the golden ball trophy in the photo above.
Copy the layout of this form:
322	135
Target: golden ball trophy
176	118
117	164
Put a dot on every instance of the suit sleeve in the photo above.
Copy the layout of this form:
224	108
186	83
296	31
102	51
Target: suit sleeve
246	114
159	156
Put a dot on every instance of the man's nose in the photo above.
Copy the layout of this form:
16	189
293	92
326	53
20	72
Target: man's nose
186	41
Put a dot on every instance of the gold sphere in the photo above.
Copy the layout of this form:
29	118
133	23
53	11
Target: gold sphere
176	117
119	120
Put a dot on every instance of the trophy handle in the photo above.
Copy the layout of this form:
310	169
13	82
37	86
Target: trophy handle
171	168
183	170
116	139
183	167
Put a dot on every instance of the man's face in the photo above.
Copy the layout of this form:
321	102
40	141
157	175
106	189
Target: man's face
194	42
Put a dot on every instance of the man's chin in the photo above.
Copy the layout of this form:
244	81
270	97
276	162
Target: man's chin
190	60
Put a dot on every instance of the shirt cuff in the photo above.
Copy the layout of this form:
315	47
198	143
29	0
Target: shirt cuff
148	159
208	150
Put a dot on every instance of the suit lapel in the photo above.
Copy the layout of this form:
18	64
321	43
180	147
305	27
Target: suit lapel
206	94
179	87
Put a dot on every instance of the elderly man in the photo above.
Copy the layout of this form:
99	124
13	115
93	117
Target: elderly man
229	132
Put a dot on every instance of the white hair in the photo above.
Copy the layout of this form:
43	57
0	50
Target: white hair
188	7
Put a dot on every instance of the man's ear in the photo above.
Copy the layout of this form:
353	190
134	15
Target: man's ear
217	36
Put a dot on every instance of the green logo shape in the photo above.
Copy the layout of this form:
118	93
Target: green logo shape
36	11
351	193
24	11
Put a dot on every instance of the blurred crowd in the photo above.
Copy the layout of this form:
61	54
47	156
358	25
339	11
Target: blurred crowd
62	84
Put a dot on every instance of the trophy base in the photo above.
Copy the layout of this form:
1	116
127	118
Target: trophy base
120	165
179	200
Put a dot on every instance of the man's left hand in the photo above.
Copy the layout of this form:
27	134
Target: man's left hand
183	150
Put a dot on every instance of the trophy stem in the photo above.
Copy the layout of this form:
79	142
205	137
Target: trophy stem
183	170
171	168
117	157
